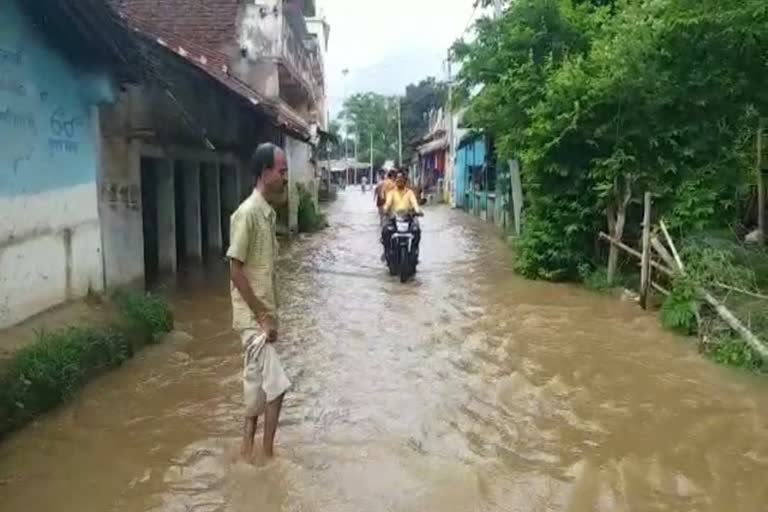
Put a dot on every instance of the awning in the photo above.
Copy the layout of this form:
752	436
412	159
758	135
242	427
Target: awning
435	145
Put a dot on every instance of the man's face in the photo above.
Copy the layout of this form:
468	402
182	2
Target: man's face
401	181
275	179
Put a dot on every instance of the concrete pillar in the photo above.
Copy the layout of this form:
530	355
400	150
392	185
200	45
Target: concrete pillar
166	216
245	180
229	199
192	220
212	208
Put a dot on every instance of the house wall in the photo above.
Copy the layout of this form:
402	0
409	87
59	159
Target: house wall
147	128
50	239
470	153
259	35
301	171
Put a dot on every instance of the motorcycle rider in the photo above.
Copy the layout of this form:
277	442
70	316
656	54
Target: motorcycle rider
383	188
401	201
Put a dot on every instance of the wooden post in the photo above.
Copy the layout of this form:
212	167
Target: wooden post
760	184
645	264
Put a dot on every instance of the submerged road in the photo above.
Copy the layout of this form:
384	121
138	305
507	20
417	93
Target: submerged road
469	389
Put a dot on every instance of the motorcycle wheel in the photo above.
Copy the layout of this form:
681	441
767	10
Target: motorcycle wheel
405	266
391	263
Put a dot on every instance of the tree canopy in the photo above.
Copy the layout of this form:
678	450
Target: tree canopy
602	101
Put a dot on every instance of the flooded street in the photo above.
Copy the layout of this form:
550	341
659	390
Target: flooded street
469	389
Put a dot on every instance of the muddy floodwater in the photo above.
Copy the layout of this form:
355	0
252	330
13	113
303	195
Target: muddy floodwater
469	389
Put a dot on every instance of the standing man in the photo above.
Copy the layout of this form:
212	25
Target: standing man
252	256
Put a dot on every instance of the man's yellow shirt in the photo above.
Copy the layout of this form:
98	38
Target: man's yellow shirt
401	202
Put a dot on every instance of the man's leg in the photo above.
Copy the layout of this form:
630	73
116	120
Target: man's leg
249	432
271	417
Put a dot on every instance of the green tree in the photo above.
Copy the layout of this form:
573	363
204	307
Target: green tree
603	103
420	100
367	114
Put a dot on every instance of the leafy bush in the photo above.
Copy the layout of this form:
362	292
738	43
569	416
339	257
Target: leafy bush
678	312
310	220
734	352
595	279
43	375
147	314
602	104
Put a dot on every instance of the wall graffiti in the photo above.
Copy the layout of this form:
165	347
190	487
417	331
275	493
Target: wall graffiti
64	128
118	195
17	119
63	146
12	57
63	125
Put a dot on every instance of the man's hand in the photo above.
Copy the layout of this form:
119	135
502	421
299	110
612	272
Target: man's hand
269	324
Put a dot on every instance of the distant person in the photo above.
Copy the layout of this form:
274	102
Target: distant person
252	255
385	186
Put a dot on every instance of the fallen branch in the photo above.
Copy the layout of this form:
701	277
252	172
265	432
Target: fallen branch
671	244
742	291
734	323
662	251
656	286
658	266
729	318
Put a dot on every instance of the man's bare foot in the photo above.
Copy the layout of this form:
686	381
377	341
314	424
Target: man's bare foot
246	454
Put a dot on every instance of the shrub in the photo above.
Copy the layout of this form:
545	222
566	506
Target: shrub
310	220
146	313
47	373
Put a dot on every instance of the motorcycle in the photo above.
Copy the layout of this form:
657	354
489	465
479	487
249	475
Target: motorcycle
402	252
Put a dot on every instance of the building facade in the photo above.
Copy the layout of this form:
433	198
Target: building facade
50	236
125	139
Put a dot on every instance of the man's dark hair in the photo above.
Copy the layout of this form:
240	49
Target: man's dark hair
263	158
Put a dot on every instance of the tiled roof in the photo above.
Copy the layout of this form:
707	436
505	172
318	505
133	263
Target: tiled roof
208	23
207	57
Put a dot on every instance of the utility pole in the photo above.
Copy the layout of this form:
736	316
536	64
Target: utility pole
399	134
328	149
357	137
451	146
371	156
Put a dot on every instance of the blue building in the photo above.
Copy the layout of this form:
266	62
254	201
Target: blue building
50	237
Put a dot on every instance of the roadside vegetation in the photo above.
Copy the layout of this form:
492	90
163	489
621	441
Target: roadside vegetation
602	101
310	219
48	372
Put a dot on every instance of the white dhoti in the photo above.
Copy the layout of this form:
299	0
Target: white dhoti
264	379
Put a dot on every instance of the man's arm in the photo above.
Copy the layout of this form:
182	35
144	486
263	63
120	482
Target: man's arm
240	233
414	202
239	279
388	202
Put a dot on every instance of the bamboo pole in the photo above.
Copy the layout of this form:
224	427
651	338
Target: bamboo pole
729	318
661	268
742	291
735	324
662	252
656	286
645	257
671	244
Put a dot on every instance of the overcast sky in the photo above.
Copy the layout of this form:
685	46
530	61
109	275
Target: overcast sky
387	44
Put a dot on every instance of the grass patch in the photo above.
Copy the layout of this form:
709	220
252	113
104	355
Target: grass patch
310	220
47	373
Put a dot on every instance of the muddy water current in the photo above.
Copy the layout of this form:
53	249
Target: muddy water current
469	389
